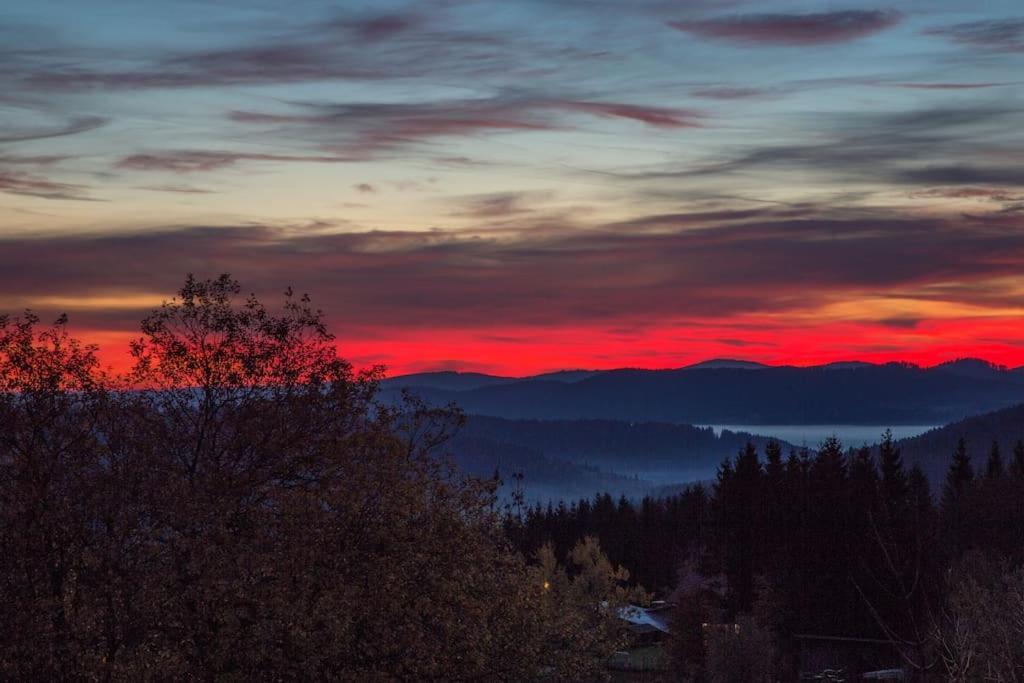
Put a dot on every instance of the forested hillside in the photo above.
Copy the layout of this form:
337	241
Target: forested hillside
562	458
847	393
1002	430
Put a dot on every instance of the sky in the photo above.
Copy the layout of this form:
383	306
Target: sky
530	185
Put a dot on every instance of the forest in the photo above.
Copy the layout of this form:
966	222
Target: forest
241	506
832	543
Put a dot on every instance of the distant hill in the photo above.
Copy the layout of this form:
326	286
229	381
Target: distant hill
617	445
545	478
933	450
450	380
563	456
718	363
843	393
445	380
972	367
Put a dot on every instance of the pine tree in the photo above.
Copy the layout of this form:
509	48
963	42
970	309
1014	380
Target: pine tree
863	484
829	466
960	474
1017	466
894	477
958	481
774	467
994	467
920	496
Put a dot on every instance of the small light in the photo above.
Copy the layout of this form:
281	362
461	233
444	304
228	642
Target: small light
547	585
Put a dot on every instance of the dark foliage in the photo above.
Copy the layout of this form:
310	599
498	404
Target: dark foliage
241	508
833	543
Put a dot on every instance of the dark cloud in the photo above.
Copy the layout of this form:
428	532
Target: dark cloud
995	194
608	275
661	117
792	29
498	205
32	160
940	146
901	323
365	188
727	93
81	124
366	129
380	27
192	161
381	47
35	186
1003	35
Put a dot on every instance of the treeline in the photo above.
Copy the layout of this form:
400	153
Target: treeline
239	506
615	443
932	450
545	478
832	543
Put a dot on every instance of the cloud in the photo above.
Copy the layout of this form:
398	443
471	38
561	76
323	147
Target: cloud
361	130
944	86
792	29
661	117
380	27
607	275
995	194
960	145
80	124
178	189
194	161
999	35
366	129
366	48
32	160
963	175
35	186
727	93
499	205
365	188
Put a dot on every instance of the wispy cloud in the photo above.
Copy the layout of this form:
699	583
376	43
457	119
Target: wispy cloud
369	128
792	29
727	264
176	189
1002	35
80	124
193	161
958	145
36	186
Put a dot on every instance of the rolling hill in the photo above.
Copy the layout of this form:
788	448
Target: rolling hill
844	393
933	450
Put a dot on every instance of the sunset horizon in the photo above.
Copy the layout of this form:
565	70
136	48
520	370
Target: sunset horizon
512	340
524	190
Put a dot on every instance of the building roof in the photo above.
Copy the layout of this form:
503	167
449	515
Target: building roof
647	619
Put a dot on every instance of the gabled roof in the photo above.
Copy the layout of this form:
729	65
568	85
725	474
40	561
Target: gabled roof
645	620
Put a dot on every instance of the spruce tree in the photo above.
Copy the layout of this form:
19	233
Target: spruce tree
1017	466
920	496
958	481
994	467
894	477
960	475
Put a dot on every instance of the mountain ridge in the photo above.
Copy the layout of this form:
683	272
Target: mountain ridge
849	393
